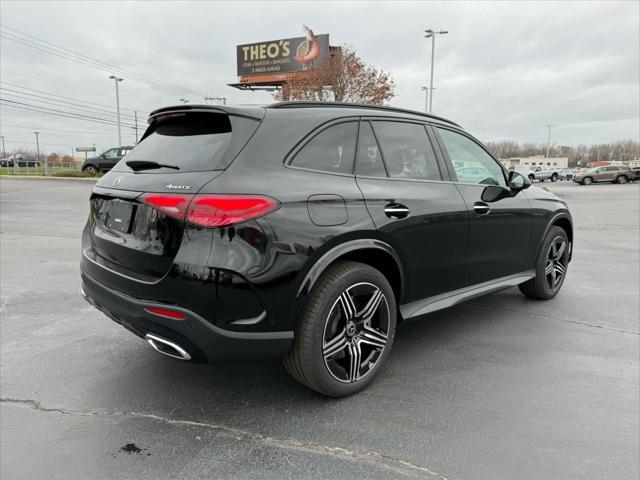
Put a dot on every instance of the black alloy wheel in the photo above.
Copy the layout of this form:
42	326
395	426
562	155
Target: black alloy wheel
346	332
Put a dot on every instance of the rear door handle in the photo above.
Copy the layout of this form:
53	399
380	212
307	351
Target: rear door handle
481	208
396	210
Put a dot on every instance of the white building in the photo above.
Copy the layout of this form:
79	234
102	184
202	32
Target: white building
558	162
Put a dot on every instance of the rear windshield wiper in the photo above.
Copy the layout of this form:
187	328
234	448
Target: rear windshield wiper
147	165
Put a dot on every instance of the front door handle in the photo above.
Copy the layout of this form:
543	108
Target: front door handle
481	208
396	210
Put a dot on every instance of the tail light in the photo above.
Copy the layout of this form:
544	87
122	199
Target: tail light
212	210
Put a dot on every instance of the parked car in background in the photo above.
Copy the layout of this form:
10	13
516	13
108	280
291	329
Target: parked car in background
607	173
308	231
635	174
20	160
105	161
565	174
538	172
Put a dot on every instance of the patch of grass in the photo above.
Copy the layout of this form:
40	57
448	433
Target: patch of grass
22	170
39	171
75	174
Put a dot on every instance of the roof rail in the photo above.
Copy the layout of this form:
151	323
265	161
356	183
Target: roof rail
303	104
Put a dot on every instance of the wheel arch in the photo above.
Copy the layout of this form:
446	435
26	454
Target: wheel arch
375	253
562	220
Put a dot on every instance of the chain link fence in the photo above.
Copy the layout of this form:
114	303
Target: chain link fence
40	167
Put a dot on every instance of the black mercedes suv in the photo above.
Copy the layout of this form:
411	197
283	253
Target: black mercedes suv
309	231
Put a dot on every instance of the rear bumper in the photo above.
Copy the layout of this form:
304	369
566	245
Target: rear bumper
203	341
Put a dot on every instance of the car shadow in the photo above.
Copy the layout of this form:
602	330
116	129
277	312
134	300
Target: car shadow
202	392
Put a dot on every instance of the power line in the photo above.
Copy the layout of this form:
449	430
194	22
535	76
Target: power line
60	113
52	46
64	97
36	43
56	103
91	92
33	143
54	130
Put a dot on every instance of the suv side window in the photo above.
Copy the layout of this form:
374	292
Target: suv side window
465	153
406	150
369	161
332	150
111	153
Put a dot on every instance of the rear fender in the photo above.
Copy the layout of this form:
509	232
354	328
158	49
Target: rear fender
337	252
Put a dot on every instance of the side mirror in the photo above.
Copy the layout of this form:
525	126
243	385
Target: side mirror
493	193
518	181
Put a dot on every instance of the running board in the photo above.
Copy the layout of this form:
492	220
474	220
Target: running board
449	299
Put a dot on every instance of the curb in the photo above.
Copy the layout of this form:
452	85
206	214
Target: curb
42	177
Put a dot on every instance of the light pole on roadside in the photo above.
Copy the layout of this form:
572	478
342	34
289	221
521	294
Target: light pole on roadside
548	140
135	113
426	98
117	80
38	150
432	34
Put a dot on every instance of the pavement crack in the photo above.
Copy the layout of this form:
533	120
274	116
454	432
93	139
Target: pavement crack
376	459
558	319
51	235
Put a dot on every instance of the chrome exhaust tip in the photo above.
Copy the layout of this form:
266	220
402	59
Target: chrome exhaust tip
167	347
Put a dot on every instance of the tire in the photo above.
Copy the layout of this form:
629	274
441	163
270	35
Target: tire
587	181
532	178
621	179
554	177
550	274
90	169
322	356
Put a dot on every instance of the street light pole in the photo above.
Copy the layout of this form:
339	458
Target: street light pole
116	80
432	34
548	140
135	113
38	150
426	98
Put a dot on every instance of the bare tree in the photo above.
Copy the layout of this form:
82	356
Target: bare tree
341	77
621	151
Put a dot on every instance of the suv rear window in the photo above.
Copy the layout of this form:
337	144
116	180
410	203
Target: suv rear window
193	141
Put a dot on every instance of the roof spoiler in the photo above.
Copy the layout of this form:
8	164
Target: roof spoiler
256	113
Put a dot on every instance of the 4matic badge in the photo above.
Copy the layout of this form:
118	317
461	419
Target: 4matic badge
171	186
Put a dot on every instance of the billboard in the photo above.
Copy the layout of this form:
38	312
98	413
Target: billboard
279	56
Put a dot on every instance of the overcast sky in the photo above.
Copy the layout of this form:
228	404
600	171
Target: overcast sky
504	71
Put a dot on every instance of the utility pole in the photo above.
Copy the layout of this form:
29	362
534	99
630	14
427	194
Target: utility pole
135	116
46	172
548	140
116	80
432	34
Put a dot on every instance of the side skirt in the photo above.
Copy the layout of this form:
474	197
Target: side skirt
449	299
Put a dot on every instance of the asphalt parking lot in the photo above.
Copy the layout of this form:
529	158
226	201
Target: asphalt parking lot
498	388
